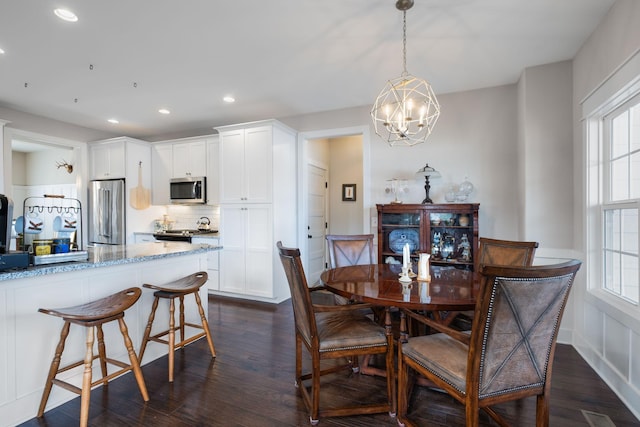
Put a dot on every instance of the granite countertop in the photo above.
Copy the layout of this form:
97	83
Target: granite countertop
105	255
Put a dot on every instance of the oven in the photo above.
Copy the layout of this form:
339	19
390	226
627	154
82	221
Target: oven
180	235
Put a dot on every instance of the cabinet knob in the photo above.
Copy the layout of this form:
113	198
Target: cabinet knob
309	236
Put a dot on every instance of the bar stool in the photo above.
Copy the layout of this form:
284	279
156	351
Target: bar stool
177	289
90	315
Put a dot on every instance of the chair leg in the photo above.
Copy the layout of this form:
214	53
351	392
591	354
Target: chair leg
147	330
182	336
103	354
85	396
315	388
205	324
542	410
135	363
172	336
53	369
403	374
298	361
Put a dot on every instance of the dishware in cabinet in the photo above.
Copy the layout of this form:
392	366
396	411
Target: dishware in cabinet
449	232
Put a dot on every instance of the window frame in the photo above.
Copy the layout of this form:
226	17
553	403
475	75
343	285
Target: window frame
600	201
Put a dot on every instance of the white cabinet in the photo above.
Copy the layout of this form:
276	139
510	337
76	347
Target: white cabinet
213	168
248	249
257	163
180	158
161	169
107	159
189	159
213	262
246	166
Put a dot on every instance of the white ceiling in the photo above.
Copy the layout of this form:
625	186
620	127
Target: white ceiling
279	58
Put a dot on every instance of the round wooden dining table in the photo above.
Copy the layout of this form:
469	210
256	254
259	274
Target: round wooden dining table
449	291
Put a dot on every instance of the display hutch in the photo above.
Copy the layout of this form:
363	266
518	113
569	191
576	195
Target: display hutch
449	232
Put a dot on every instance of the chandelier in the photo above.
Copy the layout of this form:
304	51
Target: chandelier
407	109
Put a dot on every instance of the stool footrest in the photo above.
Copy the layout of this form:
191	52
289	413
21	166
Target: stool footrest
75	389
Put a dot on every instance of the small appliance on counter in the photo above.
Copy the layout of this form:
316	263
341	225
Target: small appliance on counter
9	259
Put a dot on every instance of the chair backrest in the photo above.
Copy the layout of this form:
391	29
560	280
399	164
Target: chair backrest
352	249
515	328
300	297
506	252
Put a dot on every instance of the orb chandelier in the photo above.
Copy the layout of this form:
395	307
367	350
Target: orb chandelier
406	109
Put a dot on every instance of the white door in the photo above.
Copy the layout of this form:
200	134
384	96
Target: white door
316	222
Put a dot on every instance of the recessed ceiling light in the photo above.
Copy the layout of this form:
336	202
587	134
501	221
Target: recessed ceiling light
229	99
164	111
113	121
1	51
66	15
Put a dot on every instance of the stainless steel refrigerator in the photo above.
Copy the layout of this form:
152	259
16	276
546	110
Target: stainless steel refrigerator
107	212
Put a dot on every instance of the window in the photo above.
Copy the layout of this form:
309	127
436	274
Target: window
621	201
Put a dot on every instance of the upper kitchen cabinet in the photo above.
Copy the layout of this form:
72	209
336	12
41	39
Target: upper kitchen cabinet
184	158
189	159
246	166
107	159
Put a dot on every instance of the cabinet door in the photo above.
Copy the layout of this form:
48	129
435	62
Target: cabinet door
232	167
108	160
213	171
189	159
259	251
257	164
161	169
232	257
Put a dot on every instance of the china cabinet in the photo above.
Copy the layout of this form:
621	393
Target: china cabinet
449	232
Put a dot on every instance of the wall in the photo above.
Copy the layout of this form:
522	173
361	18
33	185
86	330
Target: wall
607	338
475	137
345	217
545	155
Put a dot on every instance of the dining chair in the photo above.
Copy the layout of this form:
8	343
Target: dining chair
512	343
505	252
347	250
332	332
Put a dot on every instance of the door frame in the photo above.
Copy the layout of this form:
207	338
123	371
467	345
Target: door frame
303	142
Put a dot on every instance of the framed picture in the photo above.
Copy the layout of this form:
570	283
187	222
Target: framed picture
348	192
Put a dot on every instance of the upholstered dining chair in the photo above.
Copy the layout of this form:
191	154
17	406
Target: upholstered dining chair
510	352
331	332
500	252
352	249
505	252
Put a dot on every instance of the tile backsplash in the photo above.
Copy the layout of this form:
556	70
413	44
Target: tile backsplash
187	216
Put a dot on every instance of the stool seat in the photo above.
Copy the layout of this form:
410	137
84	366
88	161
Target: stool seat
108	307
177	289
90	315
184	285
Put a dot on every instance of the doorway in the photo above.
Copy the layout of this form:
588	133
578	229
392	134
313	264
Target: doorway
344	154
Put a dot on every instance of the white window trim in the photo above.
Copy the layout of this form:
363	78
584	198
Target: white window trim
616	89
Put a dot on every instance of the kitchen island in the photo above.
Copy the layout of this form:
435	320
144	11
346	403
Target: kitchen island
28	338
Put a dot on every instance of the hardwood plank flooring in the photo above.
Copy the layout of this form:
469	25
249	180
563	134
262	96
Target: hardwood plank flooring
251	383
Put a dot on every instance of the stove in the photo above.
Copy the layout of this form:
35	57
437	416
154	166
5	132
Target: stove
181	235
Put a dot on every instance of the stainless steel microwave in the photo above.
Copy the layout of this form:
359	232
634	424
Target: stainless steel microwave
191	190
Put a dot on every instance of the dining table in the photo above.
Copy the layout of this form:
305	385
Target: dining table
437	301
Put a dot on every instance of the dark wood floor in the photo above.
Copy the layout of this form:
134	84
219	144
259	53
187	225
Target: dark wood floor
251	383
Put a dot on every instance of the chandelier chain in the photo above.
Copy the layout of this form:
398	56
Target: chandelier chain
404	43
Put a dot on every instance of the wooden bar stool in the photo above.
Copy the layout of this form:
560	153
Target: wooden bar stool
90	315
177	289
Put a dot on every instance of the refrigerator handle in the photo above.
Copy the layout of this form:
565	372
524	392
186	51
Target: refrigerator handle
105	217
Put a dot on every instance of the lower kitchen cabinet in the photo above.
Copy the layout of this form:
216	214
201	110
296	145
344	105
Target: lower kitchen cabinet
247	255
213	262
